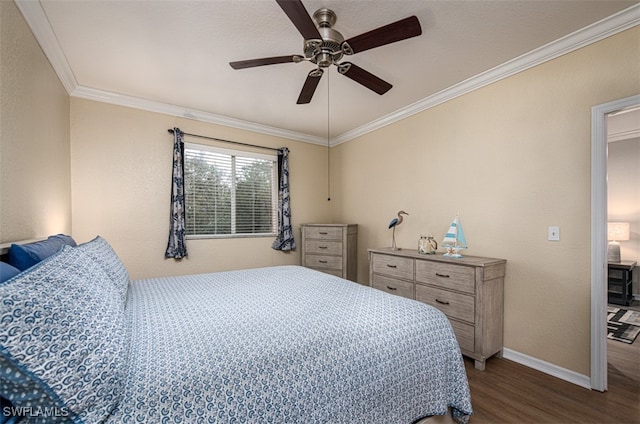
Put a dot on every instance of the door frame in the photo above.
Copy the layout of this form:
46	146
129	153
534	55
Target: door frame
599	114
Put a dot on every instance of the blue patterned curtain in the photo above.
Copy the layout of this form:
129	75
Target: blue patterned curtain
285	240
176	248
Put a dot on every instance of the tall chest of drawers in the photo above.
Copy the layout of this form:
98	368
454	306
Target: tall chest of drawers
469	290
331	248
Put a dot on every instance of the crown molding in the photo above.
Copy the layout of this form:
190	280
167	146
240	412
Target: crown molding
198	115
623	125
623	135
37	20
597	31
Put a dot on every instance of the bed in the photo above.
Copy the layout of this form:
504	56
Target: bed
81	343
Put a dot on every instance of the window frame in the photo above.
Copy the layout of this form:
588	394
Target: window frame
233	153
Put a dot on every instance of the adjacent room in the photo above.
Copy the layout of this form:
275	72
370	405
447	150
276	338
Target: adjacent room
203	220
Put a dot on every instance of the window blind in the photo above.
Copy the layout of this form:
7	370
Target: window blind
229	193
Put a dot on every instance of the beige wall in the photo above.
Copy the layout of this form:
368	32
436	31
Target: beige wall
512	158
121	173
35	195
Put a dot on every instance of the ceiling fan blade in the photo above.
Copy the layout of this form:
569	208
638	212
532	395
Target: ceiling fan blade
242	64
396	31
297	13
363	77
309	86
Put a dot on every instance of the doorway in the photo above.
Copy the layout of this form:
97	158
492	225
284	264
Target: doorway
599	115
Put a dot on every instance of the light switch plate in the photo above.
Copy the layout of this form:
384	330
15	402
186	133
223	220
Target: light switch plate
554	233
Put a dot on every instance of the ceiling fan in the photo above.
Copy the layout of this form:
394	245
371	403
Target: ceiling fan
324	46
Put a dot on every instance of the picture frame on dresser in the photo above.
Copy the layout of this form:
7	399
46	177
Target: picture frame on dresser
469	290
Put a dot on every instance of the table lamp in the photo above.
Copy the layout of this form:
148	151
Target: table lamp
616	231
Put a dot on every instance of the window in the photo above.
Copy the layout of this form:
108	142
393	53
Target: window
229	193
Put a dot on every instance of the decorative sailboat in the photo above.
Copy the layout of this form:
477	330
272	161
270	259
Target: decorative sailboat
454	240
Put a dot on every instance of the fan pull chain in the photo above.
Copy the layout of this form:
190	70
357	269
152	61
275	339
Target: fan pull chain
328	141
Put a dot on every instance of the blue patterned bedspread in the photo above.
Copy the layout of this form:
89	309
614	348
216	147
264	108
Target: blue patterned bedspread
286	345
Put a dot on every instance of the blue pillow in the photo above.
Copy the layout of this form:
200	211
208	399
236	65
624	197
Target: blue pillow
7	272
63	339
24	256
68	240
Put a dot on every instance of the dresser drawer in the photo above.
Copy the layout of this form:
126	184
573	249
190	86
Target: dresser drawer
616	273
322	261
323	247
465	334
393	286
330	248
324	233
454	305
393	266
450	276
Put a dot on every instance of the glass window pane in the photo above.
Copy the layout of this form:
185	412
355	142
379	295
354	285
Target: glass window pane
229	194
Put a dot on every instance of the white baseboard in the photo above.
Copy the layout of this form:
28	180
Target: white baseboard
548	368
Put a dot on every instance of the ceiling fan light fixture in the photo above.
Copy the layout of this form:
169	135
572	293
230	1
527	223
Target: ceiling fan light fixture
323	59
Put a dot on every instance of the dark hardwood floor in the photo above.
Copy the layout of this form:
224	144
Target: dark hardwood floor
507	392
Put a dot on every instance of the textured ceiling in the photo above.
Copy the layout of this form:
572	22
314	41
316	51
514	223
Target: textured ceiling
177	52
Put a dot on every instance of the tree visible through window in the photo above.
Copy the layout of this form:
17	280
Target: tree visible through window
229	193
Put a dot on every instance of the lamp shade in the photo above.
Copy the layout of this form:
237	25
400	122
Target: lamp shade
618	231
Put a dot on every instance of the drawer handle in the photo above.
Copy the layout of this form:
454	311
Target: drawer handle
442	275
442	302
392	266
323	262
323	247
324	233
392	288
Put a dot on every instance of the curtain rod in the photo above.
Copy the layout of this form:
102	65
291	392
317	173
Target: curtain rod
226	141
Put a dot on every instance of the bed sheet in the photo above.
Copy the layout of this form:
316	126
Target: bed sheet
286	345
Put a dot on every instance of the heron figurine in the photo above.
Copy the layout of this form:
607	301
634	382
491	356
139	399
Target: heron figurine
393	224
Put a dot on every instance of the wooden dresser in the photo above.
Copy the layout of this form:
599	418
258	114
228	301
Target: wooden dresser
331	248
469	290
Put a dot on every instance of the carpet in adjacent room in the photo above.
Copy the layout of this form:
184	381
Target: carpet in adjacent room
622	325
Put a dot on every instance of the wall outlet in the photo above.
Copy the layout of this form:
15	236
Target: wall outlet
554	233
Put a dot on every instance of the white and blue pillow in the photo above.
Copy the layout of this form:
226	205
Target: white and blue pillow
101	251
63	339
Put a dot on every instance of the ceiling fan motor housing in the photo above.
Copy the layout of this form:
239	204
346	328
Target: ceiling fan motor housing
327	51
